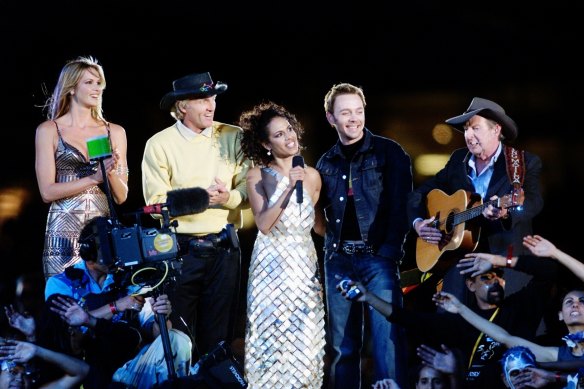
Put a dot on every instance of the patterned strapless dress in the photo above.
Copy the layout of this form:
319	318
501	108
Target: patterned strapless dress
285	335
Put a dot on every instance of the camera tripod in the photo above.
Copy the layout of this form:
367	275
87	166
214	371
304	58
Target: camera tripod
155	291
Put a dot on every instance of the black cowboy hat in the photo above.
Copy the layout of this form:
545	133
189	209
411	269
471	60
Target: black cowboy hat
193	86
490	110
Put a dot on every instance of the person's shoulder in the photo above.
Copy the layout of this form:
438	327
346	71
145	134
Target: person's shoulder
254	172
531	156
116	128
311	170
256	169
390	147
326	154
312	173
385	141
47	126
55	280
226	128
163	134
459	153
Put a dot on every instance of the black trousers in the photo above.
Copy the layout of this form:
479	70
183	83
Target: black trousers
205	297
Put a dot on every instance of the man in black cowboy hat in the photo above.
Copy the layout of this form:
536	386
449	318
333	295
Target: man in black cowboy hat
491	169
197	151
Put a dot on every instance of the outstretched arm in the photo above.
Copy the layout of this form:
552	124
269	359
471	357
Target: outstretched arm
451	304
380	305
544	248
75	369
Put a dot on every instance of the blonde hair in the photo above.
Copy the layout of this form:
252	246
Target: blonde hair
60	101
176	110
341	89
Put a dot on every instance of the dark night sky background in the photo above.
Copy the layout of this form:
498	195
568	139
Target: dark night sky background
419	63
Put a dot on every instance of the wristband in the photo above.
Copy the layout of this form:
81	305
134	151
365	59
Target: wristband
558	378
113	308
509	256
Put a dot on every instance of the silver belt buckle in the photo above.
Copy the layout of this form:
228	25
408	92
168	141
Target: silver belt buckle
349	248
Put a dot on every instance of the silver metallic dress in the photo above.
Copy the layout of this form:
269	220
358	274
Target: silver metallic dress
285	336
67	216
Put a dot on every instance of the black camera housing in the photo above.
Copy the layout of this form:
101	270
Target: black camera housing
121	246
226	238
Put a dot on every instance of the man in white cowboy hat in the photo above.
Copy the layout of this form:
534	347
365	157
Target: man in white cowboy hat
492	169
197	151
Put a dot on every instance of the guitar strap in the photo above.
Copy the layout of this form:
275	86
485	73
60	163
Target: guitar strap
515	162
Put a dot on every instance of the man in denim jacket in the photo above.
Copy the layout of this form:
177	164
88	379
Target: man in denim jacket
366	179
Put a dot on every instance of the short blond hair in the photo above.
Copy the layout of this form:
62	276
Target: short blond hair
341	89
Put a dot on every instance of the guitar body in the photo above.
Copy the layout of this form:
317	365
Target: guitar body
457	239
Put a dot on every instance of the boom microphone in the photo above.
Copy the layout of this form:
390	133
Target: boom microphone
297	160
181	202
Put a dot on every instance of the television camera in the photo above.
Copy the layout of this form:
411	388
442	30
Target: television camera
122	246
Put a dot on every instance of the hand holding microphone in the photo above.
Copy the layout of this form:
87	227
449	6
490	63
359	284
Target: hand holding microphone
297	160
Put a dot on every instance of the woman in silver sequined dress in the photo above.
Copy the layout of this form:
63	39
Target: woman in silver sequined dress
285	335
66	177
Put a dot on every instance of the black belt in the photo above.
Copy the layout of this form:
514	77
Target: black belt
206	242
351	247
187	238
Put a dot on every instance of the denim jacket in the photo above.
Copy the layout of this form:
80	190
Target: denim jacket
381	175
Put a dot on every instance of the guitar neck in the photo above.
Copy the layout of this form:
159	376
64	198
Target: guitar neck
471	213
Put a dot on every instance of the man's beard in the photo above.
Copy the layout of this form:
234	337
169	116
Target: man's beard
495	294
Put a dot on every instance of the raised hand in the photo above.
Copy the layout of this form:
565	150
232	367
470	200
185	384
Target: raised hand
444	361
533	377
539	246
70	311
23	323
447	302
386	383
475	263
17	350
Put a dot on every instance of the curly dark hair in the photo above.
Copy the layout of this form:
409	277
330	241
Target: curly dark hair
255	130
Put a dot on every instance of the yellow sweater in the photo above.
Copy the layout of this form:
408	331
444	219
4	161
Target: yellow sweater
172	161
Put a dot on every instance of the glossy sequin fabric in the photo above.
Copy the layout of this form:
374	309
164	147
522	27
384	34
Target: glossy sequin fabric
285	336
67	216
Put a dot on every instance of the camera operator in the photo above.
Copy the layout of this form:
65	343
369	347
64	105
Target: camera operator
197	151
90	313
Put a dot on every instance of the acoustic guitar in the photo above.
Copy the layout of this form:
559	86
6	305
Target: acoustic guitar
451	216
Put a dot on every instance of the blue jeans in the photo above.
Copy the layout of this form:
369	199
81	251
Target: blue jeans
379	275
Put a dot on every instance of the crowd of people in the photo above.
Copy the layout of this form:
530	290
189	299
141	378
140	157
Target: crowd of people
308	323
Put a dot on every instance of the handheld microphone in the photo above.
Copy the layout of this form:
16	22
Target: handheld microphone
181	202
297	160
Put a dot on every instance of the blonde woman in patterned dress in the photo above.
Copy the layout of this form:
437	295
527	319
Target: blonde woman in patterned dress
67	179
285	336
